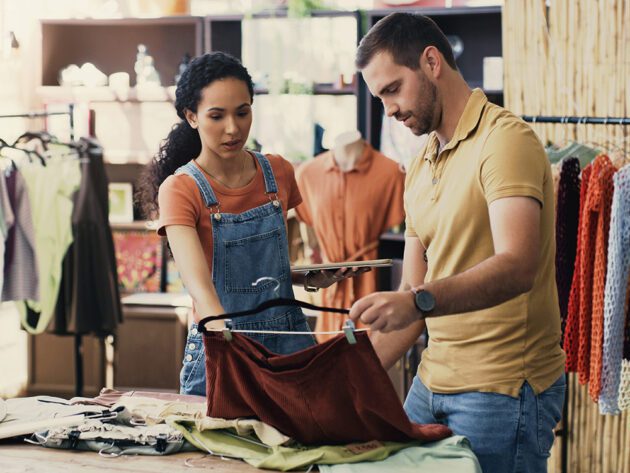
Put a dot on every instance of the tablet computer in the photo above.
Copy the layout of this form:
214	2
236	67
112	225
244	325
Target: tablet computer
374	263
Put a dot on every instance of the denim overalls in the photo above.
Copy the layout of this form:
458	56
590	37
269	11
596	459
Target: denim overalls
246	246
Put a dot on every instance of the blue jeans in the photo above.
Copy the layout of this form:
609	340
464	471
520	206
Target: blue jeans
508	435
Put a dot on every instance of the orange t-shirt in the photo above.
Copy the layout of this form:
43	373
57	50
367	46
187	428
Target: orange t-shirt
181	203
349	211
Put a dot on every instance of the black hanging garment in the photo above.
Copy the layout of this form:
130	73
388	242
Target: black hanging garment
89	299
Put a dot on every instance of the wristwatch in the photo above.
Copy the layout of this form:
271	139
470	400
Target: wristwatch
308	288
424	301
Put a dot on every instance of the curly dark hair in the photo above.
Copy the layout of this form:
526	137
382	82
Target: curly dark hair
183	143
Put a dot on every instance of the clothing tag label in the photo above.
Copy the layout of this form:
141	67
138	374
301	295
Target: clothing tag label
357	448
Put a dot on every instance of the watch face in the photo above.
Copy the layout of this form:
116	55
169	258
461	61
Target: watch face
425	301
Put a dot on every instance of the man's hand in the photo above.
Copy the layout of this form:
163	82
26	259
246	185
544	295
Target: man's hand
386	311
328	277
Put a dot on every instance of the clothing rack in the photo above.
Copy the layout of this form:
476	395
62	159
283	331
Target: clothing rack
624	121
577	120
78	341
45	113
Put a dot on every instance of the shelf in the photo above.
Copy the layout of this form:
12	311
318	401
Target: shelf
438	11
139	225
111	44
106	94
318	89
281	13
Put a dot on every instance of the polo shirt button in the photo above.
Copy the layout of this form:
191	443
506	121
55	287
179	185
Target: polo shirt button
435	180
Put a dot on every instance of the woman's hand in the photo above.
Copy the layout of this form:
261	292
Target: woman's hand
327	277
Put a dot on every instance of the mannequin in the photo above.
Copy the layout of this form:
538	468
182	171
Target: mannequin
346	220
347	150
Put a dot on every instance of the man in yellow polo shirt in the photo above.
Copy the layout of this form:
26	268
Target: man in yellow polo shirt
479	255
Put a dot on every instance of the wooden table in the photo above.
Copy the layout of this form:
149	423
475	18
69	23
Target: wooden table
22	457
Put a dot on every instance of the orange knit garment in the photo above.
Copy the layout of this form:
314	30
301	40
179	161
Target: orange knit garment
572	330
599	202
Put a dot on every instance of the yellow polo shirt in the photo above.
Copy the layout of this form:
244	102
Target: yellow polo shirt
493	154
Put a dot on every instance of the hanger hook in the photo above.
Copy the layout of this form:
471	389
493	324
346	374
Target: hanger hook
276	289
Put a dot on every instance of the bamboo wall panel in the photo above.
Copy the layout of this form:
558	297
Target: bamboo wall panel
569	58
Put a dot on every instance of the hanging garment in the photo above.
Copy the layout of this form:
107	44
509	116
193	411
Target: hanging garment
331	393
624	383
50	190
567	214
598	203
572	327
88	299
246	246
617	279
7	219
21	253
584	153
348	221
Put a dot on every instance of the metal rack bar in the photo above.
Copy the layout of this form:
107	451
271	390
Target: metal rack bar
577	120
44	114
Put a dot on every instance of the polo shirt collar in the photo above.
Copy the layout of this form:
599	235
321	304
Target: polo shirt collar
467	123
361	165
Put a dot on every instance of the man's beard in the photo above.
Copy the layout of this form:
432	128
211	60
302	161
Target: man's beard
425	114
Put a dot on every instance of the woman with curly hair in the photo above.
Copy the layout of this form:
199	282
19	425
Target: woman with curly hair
223	209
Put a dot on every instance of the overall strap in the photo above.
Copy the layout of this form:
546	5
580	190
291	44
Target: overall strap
207	193
270	181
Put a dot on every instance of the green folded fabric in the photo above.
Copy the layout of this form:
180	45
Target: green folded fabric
452	454
226	442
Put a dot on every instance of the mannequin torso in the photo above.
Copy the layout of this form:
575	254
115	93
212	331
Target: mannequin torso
348	149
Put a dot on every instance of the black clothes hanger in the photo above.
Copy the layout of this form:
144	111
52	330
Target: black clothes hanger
29	152
43	137
267	305
348	328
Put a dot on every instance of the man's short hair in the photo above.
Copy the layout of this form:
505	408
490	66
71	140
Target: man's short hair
405	36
